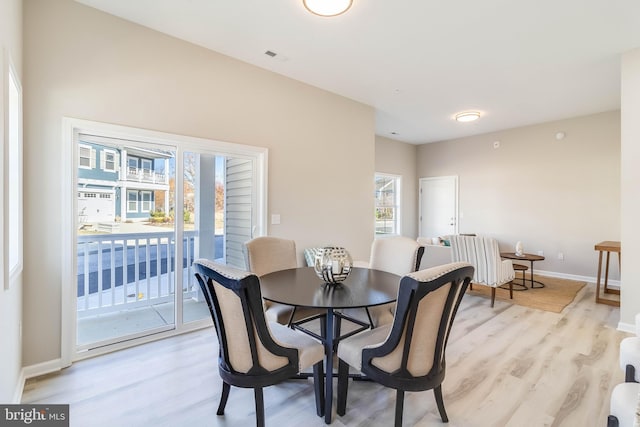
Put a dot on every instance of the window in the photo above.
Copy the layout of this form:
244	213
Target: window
132	166
147	166
12	174
84	160
132	201
109	160
387	199
146	201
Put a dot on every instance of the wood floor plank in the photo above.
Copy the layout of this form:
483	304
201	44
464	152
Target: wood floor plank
506	366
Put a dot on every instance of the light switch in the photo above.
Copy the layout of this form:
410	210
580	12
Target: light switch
275	219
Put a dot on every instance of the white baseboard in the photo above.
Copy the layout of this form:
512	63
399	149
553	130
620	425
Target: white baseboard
615	284
17	394
42	368
627	327
34	371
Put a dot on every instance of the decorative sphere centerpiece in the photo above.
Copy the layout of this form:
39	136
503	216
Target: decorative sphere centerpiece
332	264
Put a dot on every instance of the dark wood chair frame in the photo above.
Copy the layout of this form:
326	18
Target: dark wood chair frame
248	290
629	377
419	255
409	296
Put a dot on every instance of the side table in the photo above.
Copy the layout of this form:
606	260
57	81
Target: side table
607	246
526	257
523	268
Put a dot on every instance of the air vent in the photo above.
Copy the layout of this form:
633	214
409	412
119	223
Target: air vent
277	56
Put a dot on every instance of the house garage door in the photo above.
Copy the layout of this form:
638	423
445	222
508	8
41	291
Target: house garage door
94	206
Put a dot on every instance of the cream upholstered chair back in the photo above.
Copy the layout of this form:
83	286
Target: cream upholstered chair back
410	354
397	255
484	254
267	254
264	255
235	304
253	354
426	306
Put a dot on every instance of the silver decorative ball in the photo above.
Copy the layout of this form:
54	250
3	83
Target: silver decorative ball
332	264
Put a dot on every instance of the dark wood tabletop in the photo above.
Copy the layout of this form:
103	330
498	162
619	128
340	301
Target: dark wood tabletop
302	287
524	257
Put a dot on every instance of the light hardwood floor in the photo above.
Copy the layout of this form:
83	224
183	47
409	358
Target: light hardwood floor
506	366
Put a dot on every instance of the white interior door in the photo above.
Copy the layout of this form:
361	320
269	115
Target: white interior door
438	206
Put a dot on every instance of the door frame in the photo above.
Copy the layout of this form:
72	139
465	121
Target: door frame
71	127
423	180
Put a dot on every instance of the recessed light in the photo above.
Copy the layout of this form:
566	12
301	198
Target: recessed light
467	116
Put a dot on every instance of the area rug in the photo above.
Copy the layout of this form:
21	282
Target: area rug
554	297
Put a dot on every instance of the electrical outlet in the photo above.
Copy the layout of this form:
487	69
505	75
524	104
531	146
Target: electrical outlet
560	256
541	253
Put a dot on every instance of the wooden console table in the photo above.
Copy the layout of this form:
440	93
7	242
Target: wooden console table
608	247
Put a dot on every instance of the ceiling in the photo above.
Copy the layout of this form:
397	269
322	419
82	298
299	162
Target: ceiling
419	62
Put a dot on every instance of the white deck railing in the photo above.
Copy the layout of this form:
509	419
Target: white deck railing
145	175
107	284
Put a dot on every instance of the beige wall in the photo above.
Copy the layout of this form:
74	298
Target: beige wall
553	195
11	299
399	158
630	183
83	63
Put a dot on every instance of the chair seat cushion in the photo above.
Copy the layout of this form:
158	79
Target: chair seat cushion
350	349
630	355
280	313
380	314
310	351
624	402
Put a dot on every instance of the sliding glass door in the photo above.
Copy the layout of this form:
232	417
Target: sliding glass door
145	206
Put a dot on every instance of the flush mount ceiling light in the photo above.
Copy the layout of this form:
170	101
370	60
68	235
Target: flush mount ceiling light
467	116
327	7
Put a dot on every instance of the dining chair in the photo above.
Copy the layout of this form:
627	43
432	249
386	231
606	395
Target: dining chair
409	354
267	254
484	254
253	353
398	255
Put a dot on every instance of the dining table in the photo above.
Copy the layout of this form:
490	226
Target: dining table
301	287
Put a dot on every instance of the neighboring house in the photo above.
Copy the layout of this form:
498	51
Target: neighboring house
119	182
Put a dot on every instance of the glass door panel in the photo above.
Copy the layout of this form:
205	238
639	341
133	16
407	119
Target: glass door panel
125	241
218	215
